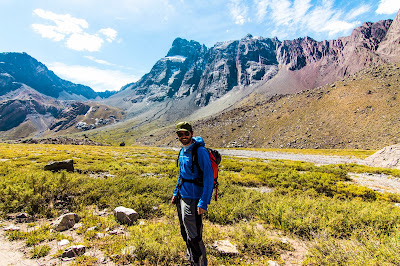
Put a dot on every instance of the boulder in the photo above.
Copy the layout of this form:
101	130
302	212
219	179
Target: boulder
225	247
388	157
60	165
125	215
74	251
66	221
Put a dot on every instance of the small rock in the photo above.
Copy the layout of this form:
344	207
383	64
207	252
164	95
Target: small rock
63	242
100	235
285	241
74	251
225	247
77	226
66	221
118	231
12	228
272	263
24	218
91	228
125	215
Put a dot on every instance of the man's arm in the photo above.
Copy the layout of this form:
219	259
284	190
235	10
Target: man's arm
208	179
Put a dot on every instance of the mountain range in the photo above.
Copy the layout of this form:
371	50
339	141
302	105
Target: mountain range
195	82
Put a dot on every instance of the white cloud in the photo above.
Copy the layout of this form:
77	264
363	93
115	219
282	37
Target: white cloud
281	12
99	61
261	6
65	24
84	41
72	30
238	11
388	7
300	9
358	11
290	16
97	79
110	33
334	27
49	32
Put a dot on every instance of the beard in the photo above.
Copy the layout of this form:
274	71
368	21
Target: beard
186	140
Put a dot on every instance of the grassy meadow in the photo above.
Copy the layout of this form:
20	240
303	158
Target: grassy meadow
338	222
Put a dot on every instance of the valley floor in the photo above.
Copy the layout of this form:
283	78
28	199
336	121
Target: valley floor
12	252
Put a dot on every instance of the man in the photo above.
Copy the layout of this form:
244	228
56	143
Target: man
193	192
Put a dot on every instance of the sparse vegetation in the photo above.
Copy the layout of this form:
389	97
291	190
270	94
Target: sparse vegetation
359	112
316	204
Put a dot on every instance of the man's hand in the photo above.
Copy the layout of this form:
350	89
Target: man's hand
173	200
200	210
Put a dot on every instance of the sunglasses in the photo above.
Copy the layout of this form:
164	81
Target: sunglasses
185	133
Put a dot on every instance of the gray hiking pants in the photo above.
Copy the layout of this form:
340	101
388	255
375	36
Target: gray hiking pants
192	230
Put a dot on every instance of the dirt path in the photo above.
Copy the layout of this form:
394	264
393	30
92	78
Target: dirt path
11	253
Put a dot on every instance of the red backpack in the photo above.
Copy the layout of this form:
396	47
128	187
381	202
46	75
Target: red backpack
215	159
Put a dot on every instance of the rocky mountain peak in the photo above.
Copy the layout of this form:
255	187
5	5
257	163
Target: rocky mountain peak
182	47
370	34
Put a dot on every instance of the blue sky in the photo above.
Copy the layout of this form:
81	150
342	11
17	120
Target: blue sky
106	44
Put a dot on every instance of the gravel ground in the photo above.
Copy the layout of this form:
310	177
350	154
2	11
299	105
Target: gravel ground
378	182
316	159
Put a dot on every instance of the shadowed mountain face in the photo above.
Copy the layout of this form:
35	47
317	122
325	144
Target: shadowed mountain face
24	69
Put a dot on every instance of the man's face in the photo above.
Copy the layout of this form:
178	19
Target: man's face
185	137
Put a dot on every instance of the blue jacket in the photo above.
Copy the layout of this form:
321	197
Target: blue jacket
189	190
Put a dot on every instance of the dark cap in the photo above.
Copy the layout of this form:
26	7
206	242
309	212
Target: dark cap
183	126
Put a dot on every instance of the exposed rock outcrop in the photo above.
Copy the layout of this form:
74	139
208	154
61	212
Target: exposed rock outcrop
60	165
68	116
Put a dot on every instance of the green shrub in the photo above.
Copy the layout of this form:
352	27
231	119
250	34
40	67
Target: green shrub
40	251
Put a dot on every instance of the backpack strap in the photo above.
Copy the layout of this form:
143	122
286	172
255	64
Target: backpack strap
195	161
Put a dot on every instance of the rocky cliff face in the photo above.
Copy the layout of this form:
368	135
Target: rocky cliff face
176	75
236	63
389	48
192	70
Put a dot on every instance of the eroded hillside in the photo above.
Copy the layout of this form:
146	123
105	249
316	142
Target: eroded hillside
359	112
